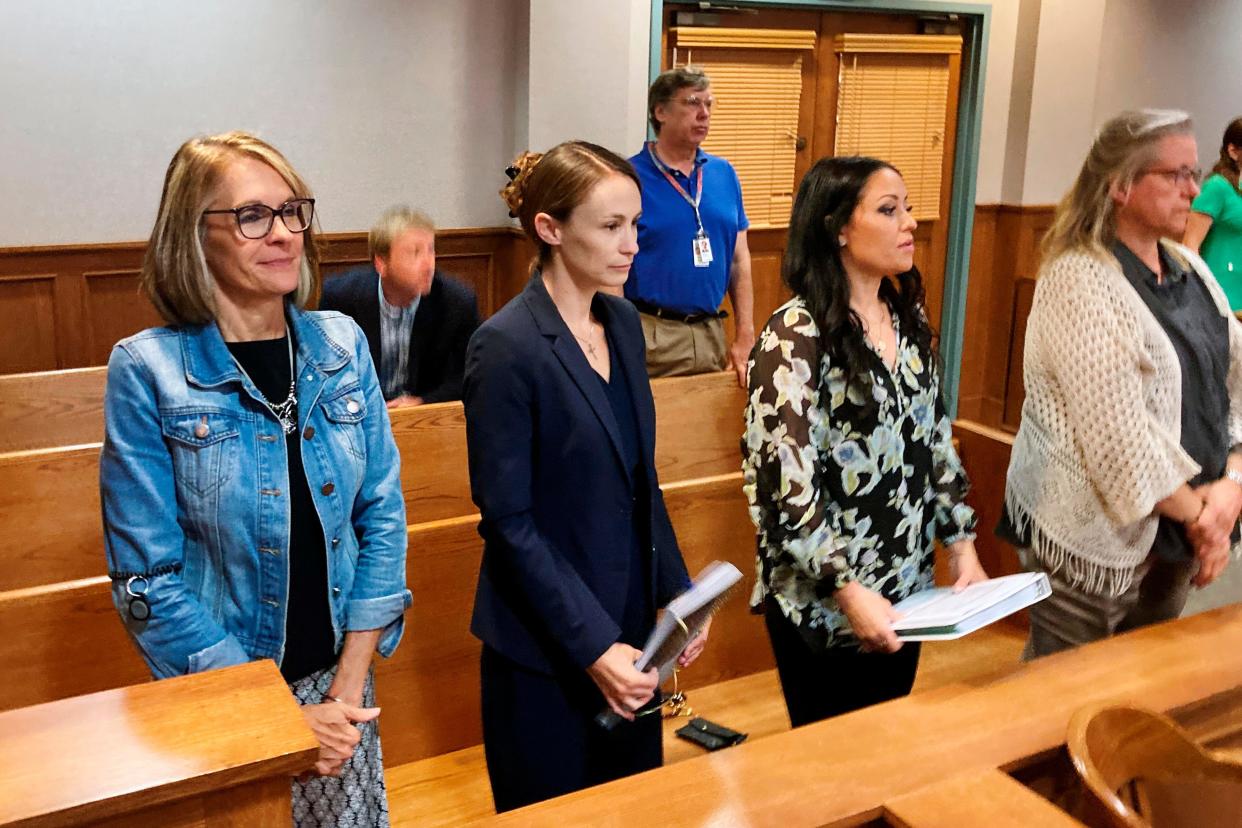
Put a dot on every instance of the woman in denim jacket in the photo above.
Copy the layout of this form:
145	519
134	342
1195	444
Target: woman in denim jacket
251	495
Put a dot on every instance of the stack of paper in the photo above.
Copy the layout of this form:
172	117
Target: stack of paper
940	614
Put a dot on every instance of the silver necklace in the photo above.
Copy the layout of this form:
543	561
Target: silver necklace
286	412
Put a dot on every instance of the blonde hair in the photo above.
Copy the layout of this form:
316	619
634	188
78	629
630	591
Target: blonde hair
557	181
394	222
175	275
1123	148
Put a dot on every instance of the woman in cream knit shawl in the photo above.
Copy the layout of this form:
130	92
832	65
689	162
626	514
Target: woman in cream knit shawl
1100	458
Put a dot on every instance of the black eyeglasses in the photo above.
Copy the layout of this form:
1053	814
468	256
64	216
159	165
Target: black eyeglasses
254	221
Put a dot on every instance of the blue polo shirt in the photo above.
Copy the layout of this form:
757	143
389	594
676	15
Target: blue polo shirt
663	273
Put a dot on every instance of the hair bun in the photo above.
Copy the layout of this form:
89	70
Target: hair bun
519	171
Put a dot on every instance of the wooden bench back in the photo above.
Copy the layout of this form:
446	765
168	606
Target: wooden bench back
49	498
50	409
65	639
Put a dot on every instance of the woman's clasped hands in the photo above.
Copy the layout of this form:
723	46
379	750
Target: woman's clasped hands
335	727
1210	532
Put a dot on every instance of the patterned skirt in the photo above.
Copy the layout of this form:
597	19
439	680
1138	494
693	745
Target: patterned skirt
357	798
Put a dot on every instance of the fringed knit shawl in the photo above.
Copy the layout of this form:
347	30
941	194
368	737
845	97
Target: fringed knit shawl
1099	445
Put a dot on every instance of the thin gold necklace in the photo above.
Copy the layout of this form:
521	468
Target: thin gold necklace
590	346
877	344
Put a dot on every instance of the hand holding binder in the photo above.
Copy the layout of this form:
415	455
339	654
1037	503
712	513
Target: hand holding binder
625	688
679	624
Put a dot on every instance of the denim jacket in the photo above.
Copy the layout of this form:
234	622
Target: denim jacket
193	476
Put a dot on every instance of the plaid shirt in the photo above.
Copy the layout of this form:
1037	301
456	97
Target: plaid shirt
395	326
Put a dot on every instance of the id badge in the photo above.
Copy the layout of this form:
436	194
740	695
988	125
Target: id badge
702	250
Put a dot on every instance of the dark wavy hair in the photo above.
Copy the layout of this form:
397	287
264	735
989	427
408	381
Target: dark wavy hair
1226	166
812	268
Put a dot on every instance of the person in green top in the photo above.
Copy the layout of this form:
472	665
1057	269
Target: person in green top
1214	229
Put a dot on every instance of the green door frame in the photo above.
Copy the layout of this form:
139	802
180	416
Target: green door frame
976	19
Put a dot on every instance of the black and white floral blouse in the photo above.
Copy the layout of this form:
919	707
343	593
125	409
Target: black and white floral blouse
838	492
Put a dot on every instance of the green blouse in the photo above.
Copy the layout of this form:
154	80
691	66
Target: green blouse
1222	247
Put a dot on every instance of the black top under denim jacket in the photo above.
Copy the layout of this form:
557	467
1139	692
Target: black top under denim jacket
1188	314
309	641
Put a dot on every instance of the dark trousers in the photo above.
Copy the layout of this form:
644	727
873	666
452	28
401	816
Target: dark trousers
1072	616
819	684
540	740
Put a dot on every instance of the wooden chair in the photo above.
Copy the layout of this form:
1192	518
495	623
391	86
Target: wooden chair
1141	770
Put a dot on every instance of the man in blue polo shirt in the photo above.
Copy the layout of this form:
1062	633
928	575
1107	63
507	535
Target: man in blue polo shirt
691	238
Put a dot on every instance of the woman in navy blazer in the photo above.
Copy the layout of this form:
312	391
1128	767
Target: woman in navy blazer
578	548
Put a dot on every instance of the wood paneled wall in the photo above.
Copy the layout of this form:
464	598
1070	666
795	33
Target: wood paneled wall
1004	262
66	306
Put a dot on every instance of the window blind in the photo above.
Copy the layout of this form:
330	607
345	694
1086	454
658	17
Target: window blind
892	101
756	79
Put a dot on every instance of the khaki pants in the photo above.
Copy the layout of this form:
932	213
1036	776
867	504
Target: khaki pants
681	348
1069	616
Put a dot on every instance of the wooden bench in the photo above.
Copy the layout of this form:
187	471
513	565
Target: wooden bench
985	454
63	637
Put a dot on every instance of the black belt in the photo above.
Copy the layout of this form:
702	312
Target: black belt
676	316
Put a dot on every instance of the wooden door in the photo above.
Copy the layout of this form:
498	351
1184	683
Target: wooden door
817	118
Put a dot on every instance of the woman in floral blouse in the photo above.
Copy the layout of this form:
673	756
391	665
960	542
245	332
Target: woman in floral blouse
848	463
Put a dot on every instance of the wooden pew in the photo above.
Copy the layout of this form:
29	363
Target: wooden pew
49	498
214	749
49	409
698	428
50	524
65	639
846	770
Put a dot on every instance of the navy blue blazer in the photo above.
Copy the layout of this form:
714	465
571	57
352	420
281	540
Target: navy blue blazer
556	499
443	323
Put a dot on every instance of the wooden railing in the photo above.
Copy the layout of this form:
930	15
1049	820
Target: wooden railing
213	749
880	765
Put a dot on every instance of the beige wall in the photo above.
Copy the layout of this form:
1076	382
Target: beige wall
1182	55
1062	116
588	72
426	101
375	101
1057	69
998	89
